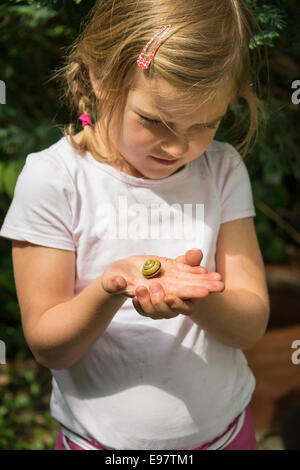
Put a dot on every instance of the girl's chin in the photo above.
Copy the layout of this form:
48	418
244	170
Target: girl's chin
155	171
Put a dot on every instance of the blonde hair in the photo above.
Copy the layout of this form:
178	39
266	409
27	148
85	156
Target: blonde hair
205	53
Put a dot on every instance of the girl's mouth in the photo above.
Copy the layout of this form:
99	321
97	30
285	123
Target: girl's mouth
163	161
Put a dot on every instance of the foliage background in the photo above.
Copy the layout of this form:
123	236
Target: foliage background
34	36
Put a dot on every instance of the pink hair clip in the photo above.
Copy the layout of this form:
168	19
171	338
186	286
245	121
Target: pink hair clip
144	64
85	119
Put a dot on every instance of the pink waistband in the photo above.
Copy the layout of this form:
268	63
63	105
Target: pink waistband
227	436
67	440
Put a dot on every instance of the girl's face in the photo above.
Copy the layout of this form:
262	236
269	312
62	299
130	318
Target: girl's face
147	144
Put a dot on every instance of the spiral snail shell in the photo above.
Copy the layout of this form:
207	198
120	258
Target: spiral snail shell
151	268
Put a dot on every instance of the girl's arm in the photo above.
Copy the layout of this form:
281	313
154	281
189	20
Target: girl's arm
239	315
59	327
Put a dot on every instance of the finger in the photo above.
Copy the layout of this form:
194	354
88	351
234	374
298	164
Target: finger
152	303
144	299
212	285
180	259
216	276
192	257
211	281
157	295
191	269
177	304
154	316
186	277
115	284
120	283
138	308
192	292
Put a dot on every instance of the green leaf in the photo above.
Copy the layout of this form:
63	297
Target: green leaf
1	176
10	176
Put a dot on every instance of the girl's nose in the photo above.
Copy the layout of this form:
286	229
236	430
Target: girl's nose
175	145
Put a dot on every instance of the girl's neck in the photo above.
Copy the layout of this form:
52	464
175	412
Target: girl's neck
122	166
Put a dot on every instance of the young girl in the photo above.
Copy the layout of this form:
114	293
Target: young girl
138	362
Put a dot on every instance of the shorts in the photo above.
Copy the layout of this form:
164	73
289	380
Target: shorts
240	435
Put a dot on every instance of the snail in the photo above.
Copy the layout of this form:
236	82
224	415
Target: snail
151	268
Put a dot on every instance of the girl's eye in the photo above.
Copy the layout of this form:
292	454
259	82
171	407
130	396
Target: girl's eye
151	122
211	126
208	126
155	122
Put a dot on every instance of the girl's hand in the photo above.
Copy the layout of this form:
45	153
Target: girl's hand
177	279
156	305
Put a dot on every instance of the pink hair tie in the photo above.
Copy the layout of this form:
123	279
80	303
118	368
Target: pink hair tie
85	119
144	64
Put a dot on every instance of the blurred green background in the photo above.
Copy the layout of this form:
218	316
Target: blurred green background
34	37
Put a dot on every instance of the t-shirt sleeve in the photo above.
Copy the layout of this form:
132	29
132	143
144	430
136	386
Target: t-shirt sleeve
40	211
235	187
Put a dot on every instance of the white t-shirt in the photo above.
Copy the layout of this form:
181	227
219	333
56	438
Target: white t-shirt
145	384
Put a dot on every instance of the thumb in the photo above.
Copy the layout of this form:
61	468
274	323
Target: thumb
114	284
193	257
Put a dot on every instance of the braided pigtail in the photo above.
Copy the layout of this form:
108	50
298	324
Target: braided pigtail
82	100
80	94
